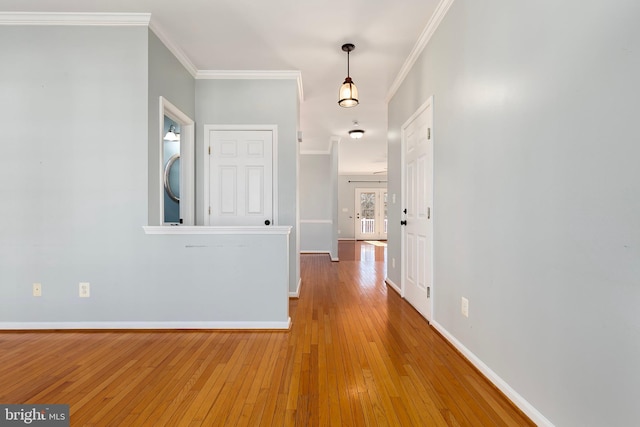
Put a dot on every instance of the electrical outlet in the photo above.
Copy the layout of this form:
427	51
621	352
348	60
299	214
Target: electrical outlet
84	290
465	307
393	263
37	290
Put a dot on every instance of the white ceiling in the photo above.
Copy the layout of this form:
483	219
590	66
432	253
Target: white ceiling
304	35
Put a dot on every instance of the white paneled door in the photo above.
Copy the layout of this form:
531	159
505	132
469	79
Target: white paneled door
240	177
417	212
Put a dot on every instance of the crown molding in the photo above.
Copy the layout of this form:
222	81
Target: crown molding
89	19
144	19
253	75
247	74
173	48
438	15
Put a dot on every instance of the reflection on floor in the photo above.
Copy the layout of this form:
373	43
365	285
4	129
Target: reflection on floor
358	250
376	242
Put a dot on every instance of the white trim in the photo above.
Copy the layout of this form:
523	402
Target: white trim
367	174
336	259
296	294
75	18
145	325
205	164
419	111
253	75
501	384
316	221
438	15
334	141
315	152
390	283
248	74
221	230
173	48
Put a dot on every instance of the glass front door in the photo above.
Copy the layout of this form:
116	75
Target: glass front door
371	214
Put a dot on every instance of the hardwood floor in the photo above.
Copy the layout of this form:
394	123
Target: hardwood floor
356	355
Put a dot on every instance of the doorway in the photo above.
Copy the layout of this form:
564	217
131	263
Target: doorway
370	214
417	190
177	166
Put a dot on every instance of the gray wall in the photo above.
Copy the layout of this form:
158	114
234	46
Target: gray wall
346	200
335	164
317	203
272	102
75	198
74	195
169	79
536	209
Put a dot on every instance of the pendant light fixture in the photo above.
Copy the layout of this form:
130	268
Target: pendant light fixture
348	95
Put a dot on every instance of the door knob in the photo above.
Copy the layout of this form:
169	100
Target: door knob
403	222
404	211
267	222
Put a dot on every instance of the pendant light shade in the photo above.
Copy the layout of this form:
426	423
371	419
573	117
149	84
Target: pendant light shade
348	95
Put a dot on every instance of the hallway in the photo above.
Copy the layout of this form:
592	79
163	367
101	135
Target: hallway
371	359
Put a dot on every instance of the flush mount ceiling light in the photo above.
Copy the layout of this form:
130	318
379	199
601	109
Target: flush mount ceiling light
348	95
172	135
356	133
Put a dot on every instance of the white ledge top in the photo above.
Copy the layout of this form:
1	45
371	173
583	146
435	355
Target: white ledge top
203	229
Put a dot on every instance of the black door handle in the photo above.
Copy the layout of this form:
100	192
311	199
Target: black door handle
267	222
403	222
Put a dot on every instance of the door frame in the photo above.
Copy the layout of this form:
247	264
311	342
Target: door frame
379	210
187	161
274	162
403	255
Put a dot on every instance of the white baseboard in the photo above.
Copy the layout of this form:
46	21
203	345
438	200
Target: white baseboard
296	294
393	285
502	385
14	326
321	252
